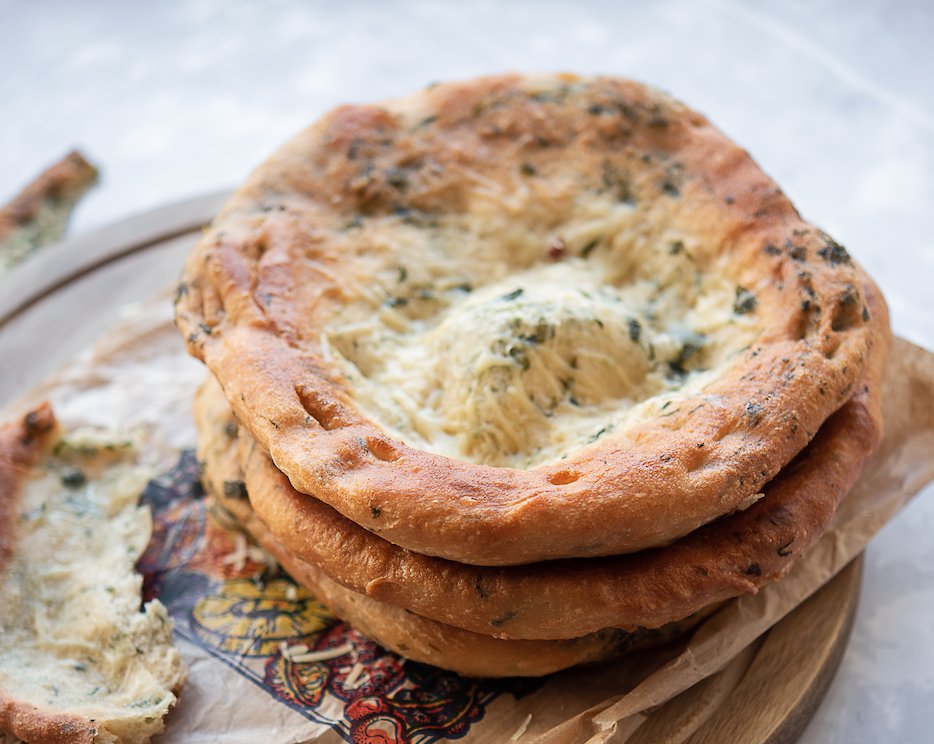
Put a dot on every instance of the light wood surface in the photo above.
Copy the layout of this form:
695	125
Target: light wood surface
768	694
61	300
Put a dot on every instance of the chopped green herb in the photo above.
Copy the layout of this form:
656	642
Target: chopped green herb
73	478
503	619
235	489
543	332
745	301
635	330
599	434
397	178
520	357
589	247
754	412
833	252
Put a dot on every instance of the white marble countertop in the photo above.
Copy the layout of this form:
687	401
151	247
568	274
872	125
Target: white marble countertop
834	99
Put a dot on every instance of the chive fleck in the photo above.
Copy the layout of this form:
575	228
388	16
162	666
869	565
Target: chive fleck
73	478
235	489
635	330
588	248
833	252
503	619
745	301
599	434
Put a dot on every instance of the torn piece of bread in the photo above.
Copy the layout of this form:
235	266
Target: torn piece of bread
40	213
79	660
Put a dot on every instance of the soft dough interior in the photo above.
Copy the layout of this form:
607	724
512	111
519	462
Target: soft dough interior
73	637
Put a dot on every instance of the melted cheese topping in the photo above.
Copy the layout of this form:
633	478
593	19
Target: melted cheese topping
520	345
72	636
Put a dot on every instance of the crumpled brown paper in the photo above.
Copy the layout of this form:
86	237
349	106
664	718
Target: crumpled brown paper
138	378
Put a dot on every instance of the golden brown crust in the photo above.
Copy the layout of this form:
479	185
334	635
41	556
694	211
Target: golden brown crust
563	599
426	640
22	443
38	726
264	280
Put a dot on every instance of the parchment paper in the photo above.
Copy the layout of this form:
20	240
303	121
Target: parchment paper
139	379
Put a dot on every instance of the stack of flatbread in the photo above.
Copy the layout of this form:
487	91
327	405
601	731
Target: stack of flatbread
528	371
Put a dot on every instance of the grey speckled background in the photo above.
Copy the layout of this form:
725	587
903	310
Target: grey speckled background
835	99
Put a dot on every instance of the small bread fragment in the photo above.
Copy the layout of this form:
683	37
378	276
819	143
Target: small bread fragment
79	660
39	214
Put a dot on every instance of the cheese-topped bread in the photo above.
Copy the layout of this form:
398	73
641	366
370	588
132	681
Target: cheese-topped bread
567	598
79	660
524	317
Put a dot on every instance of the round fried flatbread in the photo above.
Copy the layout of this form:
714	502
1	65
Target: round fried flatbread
569	598
420	638
524	317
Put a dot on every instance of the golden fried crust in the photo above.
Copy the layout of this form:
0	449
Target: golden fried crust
564	599
21	445
282	261
420	638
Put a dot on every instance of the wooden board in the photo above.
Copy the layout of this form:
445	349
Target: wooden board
65	297
769	693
